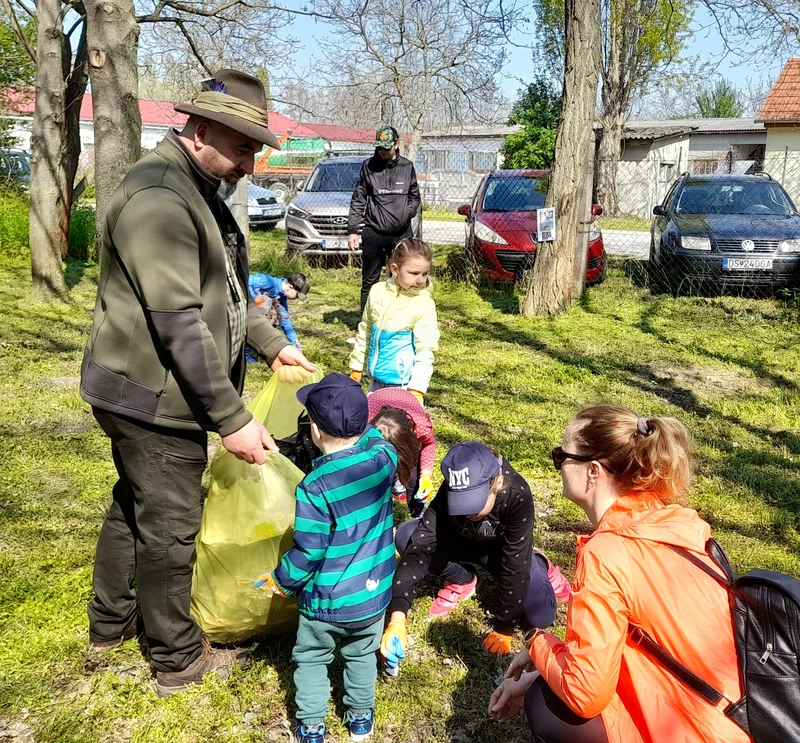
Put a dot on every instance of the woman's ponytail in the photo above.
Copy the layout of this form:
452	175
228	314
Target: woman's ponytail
644	454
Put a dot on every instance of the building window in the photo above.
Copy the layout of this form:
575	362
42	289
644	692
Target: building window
458	160
482	162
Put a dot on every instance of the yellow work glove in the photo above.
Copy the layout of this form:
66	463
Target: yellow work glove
393	645
497	642
269	581
355	375
425	489
418	395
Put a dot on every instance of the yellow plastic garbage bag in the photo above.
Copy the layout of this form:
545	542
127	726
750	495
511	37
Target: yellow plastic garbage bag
247	525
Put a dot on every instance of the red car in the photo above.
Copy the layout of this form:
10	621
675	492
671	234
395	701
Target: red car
501	232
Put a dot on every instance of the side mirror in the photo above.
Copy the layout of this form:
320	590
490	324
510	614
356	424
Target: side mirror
659	211
465	210
597	210
300	186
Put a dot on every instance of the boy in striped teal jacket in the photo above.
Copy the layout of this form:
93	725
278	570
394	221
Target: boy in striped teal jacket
342	562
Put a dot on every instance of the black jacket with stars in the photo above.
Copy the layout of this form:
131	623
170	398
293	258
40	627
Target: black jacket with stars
505	536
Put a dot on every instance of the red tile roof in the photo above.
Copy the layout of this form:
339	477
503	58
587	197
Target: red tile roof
162	113
783	101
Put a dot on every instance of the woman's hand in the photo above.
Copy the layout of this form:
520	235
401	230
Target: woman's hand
509	698
522	663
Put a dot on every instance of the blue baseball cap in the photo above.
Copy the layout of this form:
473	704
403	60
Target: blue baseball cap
337	405
468	470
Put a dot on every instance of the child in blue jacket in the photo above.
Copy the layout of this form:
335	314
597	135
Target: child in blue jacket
267	288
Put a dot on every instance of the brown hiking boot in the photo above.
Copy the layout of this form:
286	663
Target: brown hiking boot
135	629
211	660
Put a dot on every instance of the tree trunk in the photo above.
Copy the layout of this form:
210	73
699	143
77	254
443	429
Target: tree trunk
113	36
615	103
559	271
55	147
413	146
608	155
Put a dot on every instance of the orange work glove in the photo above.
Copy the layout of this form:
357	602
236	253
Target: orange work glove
269	581
496	642
418	395
393	644
355	375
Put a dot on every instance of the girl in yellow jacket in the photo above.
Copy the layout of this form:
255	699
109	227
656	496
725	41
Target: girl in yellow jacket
399	332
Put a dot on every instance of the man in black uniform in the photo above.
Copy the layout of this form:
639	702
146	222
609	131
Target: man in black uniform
386	199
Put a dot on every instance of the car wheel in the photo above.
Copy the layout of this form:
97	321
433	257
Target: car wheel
280	188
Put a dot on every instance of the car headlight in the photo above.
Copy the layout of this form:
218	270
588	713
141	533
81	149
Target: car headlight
252	202
293	211
594	231
695	243
789	246
482	232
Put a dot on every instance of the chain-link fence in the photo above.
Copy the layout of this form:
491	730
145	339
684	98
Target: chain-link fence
722	221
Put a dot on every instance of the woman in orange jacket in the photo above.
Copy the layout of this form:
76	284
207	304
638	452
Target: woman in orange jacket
630	475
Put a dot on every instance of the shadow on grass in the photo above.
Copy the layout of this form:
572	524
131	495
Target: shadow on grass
349	318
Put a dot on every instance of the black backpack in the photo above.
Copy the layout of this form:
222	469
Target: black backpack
766	623
299	448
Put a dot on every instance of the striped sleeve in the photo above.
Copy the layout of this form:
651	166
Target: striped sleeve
312	534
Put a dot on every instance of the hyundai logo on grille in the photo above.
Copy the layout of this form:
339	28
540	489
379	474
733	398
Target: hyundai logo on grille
748	245
340	220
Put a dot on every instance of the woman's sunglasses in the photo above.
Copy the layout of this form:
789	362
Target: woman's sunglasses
560	456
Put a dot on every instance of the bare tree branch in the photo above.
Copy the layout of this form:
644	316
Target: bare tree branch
19	32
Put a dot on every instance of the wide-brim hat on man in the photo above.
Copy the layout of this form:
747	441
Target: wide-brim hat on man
237	100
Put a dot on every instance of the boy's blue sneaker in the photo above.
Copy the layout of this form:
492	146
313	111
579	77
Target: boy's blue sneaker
360	726
310	733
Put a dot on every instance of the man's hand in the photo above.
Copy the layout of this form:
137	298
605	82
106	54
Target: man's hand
498	643
249	442
509	698
352	242
291	356
522	663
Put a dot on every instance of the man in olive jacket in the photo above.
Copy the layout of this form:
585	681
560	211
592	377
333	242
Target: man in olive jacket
165	363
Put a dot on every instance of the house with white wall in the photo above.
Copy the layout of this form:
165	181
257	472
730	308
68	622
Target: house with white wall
780	115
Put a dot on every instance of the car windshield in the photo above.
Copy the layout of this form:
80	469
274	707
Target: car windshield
515	194
729	197
334	177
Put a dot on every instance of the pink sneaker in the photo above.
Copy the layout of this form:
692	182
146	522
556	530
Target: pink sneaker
560	584
449	596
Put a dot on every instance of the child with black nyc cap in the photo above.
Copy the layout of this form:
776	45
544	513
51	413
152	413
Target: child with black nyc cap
342	562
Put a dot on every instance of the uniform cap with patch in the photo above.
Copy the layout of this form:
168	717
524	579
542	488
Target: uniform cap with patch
468	470
385	138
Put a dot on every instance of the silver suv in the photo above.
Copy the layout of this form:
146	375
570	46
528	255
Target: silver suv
316	221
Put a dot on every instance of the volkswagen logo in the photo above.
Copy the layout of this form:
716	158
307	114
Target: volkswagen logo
748	245
343	220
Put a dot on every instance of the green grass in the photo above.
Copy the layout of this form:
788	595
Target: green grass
626	222
441	215
728	367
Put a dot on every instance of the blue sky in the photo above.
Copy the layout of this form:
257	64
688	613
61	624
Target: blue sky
520	67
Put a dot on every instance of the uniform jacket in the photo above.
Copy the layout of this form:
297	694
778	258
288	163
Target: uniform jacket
342	561
397	336
272	286
386	196
626	573
508	531
159	349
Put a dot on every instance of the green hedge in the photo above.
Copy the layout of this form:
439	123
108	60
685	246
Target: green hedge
14	229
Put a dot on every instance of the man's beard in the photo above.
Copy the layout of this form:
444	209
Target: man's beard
226	189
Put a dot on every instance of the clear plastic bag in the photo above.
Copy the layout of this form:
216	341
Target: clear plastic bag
247	525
